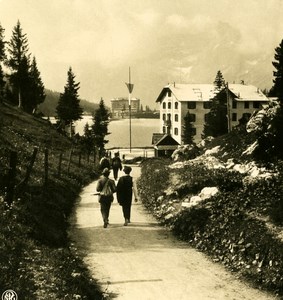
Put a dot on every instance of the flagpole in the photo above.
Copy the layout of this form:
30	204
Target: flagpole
130	88
130	113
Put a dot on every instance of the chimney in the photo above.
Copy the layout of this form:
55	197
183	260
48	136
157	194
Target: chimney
174	83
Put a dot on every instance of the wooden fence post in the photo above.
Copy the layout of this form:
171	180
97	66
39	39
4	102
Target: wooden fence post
46	166
11	178
28	172
60	164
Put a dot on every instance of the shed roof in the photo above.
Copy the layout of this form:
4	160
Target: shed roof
165	139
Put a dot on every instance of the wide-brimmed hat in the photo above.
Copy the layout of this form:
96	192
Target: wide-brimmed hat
127	169
106	171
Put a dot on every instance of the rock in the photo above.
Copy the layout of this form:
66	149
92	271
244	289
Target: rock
208	192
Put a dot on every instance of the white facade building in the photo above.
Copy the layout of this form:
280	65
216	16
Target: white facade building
177	99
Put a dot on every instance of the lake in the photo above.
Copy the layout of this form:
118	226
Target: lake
119	137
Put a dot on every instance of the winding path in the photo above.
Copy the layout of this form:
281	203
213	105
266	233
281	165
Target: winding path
144	261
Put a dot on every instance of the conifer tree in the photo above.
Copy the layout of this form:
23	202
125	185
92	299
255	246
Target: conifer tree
270	139
188	130
277	88
68	108
216	119
219	81
87	140
100	127
18	61
36	86
2	58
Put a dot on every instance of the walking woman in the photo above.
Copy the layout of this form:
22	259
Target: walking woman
106	187
125	188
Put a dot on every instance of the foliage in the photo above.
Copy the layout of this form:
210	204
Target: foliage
234	227
18	62
100	127
2	57
219	81
68	108
216	119
48	107
188	129
277	89
37	258
154	170
37	94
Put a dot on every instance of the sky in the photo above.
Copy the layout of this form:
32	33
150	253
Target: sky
162	41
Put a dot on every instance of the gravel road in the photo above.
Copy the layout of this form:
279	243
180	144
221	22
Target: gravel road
144	261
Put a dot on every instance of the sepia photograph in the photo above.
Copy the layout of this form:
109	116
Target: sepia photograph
141	149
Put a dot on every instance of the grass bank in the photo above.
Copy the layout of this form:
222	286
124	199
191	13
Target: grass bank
38	261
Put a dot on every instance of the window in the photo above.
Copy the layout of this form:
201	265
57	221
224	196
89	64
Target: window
176	131
169	117
164	105
234	116
234	104
256	104
176	105
247	104
191	105
176	117
164	129
169	93
169	105
192	117
207	104
164	117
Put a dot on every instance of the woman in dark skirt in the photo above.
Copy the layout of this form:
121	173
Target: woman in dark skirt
125	188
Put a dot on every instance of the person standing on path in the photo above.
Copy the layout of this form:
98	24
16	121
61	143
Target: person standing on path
116	165
125	188
104	162
107	188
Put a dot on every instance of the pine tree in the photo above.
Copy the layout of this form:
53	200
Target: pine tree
87	140
100	127
18	61
277	88
36	86
68	108
219	81
2	58
188	130
216	120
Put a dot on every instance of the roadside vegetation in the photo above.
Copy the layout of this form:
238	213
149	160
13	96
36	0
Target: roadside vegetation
240	225
37	258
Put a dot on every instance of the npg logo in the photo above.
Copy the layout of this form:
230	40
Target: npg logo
9	295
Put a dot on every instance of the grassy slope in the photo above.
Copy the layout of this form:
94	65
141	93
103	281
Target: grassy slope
239	227
36	257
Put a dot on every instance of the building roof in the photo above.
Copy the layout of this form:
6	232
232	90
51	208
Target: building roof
189	92
206	92
159	139
124	99
245	92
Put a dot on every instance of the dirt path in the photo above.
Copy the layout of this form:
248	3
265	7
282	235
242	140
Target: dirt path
144	261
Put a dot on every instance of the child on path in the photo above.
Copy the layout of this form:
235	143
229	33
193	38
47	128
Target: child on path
125	188
106	187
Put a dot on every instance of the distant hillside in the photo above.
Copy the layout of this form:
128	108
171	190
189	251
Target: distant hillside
48	107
